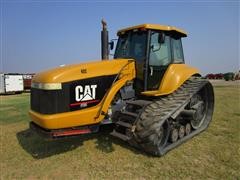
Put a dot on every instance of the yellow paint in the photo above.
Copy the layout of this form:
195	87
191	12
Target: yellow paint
66	119
74	72
173	78
89	115
155	27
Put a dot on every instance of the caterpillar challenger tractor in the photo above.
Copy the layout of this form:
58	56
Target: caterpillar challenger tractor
154	100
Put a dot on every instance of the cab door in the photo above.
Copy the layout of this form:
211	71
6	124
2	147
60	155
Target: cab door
159	59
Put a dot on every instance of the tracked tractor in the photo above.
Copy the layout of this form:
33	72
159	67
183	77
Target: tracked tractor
154	100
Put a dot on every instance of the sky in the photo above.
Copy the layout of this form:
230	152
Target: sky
38	35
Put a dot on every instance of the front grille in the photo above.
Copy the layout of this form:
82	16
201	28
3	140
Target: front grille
49	101
64	100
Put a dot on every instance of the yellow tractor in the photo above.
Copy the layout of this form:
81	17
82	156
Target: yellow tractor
154	100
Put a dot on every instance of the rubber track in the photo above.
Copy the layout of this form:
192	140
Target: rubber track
155	114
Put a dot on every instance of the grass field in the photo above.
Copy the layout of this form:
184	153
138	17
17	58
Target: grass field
214	154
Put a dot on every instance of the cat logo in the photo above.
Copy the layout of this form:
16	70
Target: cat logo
86	93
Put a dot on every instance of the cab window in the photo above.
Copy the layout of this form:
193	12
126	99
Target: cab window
177	50
132	45
160	53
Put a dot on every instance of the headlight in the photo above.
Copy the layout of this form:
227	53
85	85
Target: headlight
46	86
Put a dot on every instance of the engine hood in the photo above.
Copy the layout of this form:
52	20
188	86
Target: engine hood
80	71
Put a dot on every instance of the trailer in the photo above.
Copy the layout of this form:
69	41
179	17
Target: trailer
27	81
11	83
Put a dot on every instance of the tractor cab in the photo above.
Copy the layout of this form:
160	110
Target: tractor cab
154	48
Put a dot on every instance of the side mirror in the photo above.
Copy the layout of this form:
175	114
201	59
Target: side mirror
161	38
111	44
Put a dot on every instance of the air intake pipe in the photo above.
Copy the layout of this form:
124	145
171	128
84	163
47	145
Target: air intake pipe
104	41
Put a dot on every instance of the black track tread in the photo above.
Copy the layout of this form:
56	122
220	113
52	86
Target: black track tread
156	113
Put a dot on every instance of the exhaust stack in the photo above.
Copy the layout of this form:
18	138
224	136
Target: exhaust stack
104	41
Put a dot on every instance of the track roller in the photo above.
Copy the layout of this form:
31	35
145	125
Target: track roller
174	135
181	132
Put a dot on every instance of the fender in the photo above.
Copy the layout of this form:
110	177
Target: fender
128	73
173	78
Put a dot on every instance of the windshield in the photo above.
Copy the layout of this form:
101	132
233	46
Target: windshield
132	45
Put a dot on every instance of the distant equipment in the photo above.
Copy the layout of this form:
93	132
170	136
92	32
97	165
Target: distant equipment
27	81
237	75
229	76
214	76
11	83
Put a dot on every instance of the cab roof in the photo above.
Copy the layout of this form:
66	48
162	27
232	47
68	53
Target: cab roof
172	29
